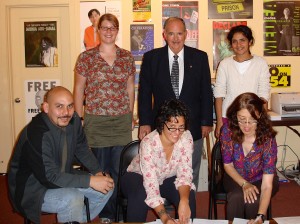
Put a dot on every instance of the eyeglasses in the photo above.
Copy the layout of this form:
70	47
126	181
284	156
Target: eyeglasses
175	129
105	28
245	122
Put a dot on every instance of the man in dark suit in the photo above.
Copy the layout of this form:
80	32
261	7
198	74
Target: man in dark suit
194	86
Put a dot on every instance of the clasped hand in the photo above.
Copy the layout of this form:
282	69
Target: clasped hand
250	193
102	183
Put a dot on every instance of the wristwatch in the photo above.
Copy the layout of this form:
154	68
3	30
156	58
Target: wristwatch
262	216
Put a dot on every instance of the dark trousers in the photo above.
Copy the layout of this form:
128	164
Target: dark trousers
236	206
109	160
132	188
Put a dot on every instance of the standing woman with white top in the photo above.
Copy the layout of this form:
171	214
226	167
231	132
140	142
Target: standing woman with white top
239	73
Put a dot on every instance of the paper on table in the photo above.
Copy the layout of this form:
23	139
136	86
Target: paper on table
196	221
208	221
244	221
288	220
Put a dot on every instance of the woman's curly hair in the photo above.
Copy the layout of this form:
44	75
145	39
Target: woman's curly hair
169	109
255	106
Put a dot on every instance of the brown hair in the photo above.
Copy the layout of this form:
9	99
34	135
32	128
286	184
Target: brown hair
109	17
255	106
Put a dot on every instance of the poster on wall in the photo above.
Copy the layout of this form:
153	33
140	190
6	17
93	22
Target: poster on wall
136	89
281	28
113	7
141	40
280	75
188	11
221	46
41	44
230	9
141	10
34	95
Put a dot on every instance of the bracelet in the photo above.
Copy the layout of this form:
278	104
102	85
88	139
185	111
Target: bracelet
81	118
262	216
245	182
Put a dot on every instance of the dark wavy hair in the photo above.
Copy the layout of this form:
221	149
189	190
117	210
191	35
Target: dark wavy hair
245	30
255	106
171	108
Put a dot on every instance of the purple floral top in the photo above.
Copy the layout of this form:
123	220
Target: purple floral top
260	160
151	162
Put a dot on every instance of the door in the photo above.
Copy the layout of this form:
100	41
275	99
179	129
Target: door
30	28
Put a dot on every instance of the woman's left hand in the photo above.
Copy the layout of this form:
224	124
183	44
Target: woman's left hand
184	212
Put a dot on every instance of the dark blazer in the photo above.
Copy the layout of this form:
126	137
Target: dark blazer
196	90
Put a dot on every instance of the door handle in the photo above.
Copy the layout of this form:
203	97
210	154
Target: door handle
17	100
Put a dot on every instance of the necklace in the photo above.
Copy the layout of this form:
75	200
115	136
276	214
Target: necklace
235	58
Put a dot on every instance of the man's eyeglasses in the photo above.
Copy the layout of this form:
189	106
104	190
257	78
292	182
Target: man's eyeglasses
175	129
245	122
105	28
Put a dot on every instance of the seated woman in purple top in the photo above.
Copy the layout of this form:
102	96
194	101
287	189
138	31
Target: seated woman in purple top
249	152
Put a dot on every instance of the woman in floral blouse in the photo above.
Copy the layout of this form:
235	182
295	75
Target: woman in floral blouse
249	152
163	169
104	80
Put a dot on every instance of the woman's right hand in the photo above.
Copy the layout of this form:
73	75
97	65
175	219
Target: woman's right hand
218	129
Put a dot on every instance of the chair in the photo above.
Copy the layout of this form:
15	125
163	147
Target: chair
216	188
87	208
128	153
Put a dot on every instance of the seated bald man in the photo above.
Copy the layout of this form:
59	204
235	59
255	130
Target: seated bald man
41	176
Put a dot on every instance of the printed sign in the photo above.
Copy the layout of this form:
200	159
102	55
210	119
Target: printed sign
280	75
34	94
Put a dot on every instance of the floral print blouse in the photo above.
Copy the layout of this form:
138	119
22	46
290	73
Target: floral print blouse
260	160
151	162
106	86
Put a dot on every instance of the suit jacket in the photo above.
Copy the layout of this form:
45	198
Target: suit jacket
196	90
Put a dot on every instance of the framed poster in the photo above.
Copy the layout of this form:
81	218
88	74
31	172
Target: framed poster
221	46
41	44
188	11
141	10
141	40
113	7
230	9
281	28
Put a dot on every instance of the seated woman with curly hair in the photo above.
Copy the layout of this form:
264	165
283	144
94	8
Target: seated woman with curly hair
163	169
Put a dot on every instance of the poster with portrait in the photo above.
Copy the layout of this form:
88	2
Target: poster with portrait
188	11
221	46
281	28
34	95
113	7
141	40
41	44
141	10
280	75
230	9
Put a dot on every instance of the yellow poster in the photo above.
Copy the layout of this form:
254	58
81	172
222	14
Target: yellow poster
280	75
141	10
